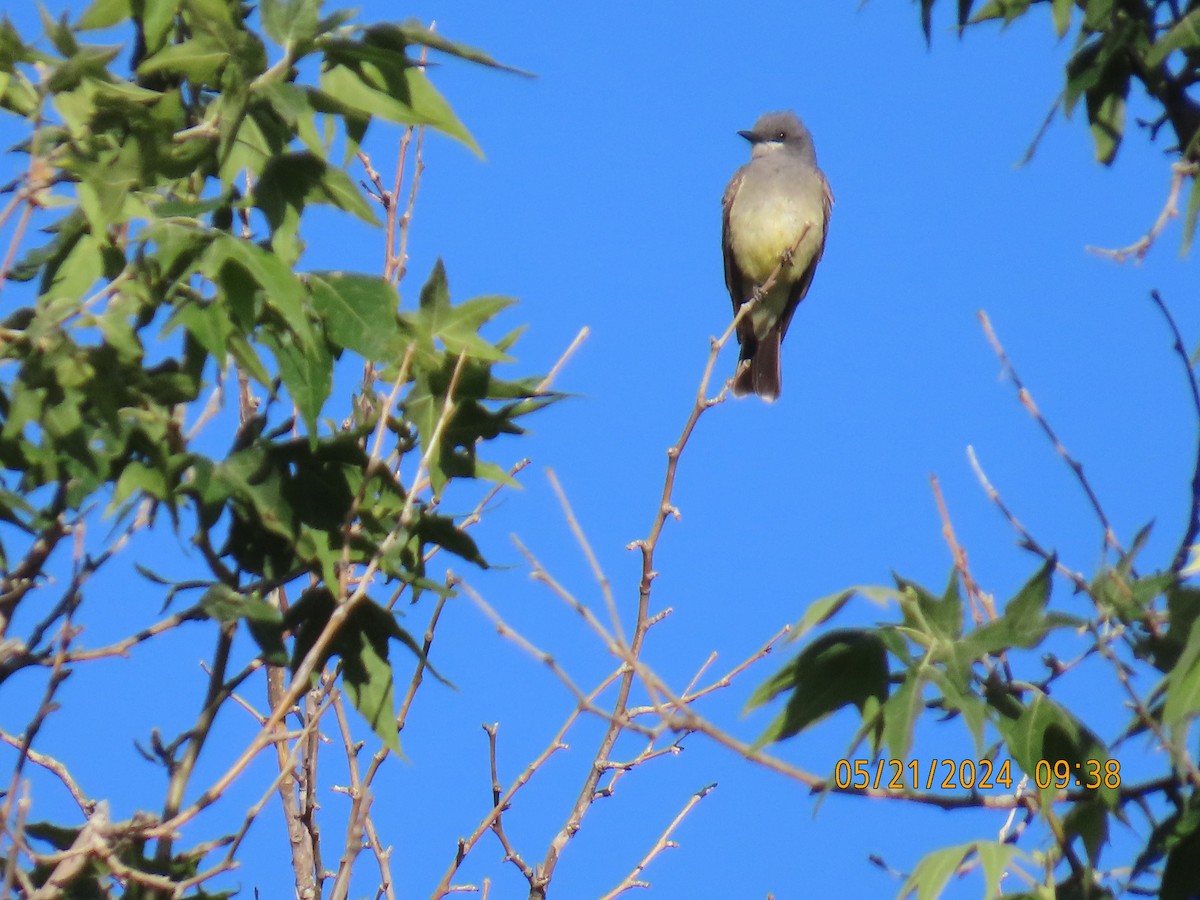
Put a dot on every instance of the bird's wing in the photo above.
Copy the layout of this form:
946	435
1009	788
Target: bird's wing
735	280
800	288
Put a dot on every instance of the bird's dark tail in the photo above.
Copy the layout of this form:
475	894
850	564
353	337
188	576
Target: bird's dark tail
761	375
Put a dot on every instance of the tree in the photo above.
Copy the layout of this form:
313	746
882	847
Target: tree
996	673
165	306
275	450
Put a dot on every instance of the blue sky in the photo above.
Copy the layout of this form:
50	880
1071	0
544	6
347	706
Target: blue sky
598	204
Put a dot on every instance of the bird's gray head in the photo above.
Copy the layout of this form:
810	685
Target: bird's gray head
780	131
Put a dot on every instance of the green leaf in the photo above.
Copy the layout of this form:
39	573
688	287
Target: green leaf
281	289
1183	609
208	324
138	478
959	697
75	269
156	18
1061	12
1183	684
307	373
362	644
103	14
1098	14
290	22
386	85
1024	623
199	60
1045	731
457	327
359	313
1083	73
291	181
59	32
938	617
1189	234
842	667
1184	35
1181	875
1008	10
927	20
931	875
1026	609
821	611
412	31
1088	820
441	530
264	621
900	715
1106	116
996	857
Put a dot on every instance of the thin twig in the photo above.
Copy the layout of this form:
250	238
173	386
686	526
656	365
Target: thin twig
1110	538
1139	248
983	608
556	744
1193	529
546	659
618	720
544	384
664	842
1027	540
727	679
597	571
51	764
510	854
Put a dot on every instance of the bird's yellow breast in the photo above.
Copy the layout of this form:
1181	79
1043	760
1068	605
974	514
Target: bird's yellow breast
764	226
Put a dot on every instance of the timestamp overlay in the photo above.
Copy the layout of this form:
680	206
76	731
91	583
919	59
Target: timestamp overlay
951	774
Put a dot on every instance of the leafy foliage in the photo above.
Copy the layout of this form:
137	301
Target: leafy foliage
173	198
997	678
1154	43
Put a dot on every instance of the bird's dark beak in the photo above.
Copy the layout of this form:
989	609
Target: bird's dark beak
750	136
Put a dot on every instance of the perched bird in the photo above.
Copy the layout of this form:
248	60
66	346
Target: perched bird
775	214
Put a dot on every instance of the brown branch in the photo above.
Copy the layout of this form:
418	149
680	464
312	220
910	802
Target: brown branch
360	808
51	764
283	777
1181	760
616	647
727	679
546	659
983	607
510	854
465	845
545	383
1027	540
664	842
1139	248
619	720
590	554
1193	529
1110	538
58	674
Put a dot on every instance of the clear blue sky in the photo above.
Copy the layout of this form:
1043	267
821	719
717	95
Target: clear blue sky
599	205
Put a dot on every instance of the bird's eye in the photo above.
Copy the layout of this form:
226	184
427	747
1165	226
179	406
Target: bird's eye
781	136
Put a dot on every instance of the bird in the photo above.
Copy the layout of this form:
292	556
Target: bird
775	216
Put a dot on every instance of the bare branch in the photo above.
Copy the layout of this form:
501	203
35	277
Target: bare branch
1027	539
664	842
1138	249
51	764
1193	529
983	606
1110	538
